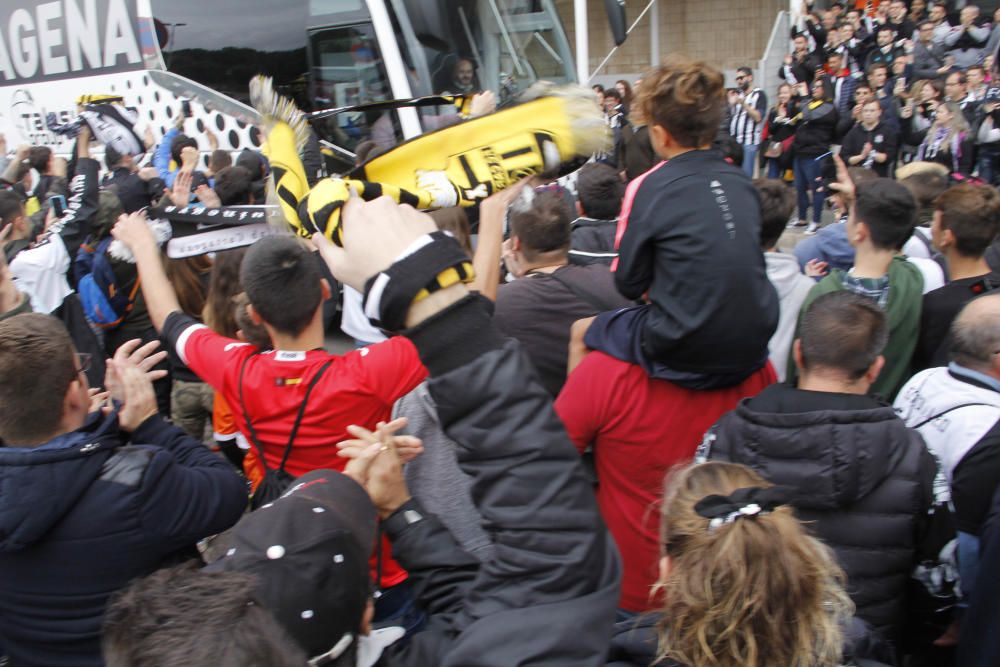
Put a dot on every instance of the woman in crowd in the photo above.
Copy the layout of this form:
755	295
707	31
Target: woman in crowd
780	133
816	125
948	140
917	114
220	316
625	90
190	397
744	583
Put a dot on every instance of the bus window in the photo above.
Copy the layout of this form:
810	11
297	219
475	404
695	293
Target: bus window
347	70
224	43
498	45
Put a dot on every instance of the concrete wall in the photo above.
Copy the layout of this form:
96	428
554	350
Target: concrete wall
726	33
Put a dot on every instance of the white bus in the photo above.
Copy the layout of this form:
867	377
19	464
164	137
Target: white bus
323	53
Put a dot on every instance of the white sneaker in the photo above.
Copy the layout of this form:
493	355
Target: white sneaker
811	229
795	222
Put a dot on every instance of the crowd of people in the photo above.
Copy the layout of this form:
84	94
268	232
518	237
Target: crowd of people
649	428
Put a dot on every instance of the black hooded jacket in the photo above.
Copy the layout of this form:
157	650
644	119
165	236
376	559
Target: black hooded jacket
548	593
866	482
692	245
84	514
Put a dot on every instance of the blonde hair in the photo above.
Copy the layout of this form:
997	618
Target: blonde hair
756	592
957	125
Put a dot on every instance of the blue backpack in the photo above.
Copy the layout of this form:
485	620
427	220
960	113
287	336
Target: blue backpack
105	303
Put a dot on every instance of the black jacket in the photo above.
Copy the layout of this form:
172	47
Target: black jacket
979	645
637	155
592	241
816	129
975	482
692	242
634	644
865	480
883	140
83	515
548	594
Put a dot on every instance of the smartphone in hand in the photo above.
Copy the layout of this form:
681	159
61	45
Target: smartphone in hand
58	204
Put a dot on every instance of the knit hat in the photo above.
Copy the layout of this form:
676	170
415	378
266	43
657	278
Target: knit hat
309	550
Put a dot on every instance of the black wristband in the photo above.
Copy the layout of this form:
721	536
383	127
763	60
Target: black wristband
435	261
406	514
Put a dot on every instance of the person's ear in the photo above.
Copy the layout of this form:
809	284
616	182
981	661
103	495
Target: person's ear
515	243
660	139
324	287
254	315
946	239
579	208
76	401
797	355
861	231
873	371
664	568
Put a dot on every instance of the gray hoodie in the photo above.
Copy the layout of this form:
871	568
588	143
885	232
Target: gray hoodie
792	288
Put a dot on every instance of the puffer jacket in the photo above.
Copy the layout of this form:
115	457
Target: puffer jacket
547	593
865	482
84	514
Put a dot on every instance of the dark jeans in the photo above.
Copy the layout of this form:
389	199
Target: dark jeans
807	183
396	607
989	164
619	333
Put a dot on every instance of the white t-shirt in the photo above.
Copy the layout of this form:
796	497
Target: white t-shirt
40	272
931	271
353	321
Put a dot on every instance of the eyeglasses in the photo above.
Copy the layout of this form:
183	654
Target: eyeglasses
83	360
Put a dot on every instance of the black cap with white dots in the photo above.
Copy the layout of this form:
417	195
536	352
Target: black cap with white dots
309	550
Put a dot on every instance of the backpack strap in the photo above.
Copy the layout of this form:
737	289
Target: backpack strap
951	409
298	418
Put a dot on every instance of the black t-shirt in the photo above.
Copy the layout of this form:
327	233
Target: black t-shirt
539	309
940	308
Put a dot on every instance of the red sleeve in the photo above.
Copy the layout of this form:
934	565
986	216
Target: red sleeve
580	404
391	369
208	354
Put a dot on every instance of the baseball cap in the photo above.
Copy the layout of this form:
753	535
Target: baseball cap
309	550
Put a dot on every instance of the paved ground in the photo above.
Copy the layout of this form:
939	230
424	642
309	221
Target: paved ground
792	237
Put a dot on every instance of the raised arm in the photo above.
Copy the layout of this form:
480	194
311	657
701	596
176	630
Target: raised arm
161	300
554	565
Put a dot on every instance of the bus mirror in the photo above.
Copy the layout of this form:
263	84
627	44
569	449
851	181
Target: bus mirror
616	18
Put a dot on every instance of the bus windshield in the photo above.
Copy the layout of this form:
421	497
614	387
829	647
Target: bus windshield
471	45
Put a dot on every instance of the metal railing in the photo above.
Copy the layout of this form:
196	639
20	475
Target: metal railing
777	46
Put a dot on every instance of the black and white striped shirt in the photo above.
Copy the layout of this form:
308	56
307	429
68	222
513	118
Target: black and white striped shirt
743	128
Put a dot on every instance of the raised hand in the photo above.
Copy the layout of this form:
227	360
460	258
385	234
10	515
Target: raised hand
376	463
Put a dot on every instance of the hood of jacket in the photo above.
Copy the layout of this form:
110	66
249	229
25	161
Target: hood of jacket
833	244
906	286
784	273
835	457
40	485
